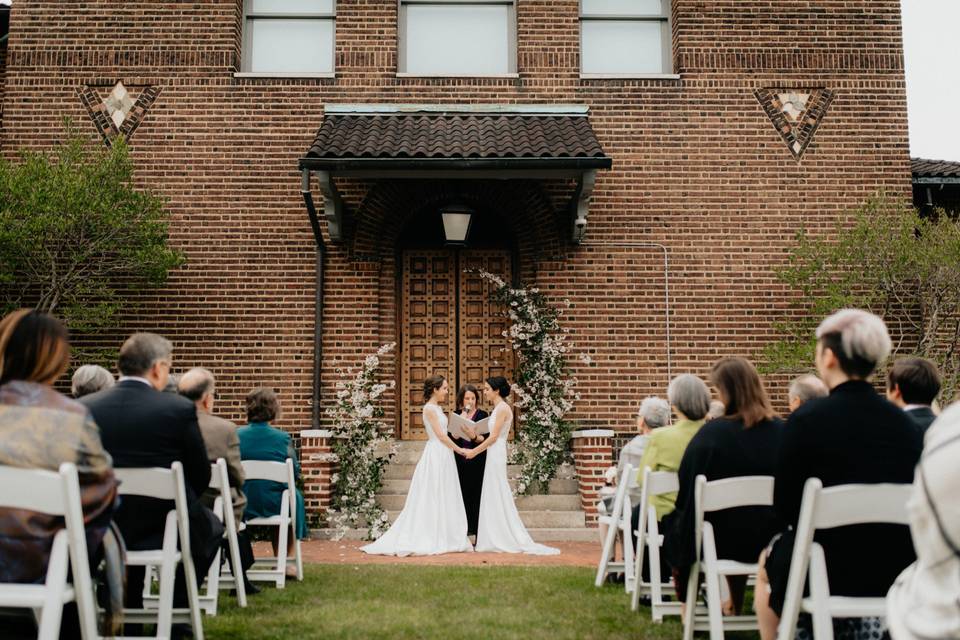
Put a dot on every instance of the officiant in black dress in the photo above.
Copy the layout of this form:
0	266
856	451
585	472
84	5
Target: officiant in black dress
470	471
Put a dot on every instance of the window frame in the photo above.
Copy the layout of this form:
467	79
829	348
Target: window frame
247	48
664	18
511	38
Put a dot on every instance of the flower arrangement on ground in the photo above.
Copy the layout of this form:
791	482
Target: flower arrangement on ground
363	444
543	387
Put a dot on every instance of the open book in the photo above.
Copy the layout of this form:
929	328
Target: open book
457	421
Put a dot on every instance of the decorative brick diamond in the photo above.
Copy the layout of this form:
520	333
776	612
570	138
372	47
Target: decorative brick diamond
795	114
119	113
118	104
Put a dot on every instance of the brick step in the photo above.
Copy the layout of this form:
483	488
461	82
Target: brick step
539	519
557	487
539	534
524	503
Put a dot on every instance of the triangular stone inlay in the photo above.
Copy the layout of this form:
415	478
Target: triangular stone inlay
117	111
795	113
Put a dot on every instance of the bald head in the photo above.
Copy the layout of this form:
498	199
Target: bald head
197	384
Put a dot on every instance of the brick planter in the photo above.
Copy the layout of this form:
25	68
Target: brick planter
592	455
318	463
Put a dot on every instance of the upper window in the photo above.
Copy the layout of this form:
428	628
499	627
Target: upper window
288	36
458	37
625	37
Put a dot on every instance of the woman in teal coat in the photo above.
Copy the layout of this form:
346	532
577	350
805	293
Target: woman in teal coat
260	441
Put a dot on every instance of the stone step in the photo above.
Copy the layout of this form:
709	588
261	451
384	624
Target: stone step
411	454
539	534
557	487
539	519
395	471
524	503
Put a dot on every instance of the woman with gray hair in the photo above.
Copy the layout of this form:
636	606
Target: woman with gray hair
654	413
90	378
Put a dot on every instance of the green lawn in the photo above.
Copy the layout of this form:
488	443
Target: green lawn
391	601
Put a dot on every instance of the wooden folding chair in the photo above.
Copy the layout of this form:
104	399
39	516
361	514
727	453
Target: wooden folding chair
837	506
649	541
218	577
56	494
164	484
274	568
618	525
747	491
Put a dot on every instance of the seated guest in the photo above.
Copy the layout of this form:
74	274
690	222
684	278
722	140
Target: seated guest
744	442
142	427
690	399
806	387
922	603
654	413
852	436
90	378
913	385
41	429
260	441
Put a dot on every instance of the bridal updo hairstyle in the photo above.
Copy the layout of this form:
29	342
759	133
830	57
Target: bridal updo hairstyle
500	385
430	385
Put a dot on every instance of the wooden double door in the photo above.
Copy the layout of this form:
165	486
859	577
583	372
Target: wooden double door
449	326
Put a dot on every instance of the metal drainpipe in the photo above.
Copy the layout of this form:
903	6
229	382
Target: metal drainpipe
317	338
666	284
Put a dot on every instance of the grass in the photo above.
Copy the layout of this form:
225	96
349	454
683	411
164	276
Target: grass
391	601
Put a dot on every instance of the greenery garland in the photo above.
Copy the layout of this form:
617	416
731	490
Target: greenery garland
363	445
543	388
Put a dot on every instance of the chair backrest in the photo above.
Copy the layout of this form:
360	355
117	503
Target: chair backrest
622	491
659	482
45	494
836	506
728	493
164	484
216	480
266	470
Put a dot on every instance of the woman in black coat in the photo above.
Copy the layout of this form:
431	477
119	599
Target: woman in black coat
470	471
743	442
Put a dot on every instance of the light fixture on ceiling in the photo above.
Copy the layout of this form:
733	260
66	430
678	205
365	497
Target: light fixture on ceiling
456	224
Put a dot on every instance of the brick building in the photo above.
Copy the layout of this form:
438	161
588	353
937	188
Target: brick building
648	160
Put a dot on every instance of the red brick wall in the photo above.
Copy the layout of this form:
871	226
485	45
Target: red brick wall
697	167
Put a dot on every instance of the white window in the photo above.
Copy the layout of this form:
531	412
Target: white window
288	37
625	37
458	37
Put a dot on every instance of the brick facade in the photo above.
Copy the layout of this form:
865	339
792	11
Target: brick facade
699	173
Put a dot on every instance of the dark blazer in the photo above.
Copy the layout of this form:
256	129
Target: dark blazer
142	427
922	417
724	448
854	435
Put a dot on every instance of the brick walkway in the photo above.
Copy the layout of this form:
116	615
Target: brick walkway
572	554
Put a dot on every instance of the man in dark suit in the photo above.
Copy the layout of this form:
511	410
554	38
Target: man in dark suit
854	435
912	385
142	427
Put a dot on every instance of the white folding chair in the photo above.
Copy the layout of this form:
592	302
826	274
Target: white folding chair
746	491
285	522
164	484
223	509
836	506
649	540
618	525
56	494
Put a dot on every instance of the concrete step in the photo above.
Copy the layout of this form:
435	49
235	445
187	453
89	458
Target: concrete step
539	534
539	519
395	471
524	503
562	487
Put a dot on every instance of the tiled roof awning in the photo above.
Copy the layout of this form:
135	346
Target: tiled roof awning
935	171
452	141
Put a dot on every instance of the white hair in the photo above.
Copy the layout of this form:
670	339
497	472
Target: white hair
807	387
690	395
655	412
863	335
90	378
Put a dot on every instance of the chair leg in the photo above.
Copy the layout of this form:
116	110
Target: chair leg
56	582
608	547
234	544
630	579
282	554
299	555
689	615
168	573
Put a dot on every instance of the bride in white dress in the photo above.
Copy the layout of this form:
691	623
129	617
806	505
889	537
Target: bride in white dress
500	527
433	519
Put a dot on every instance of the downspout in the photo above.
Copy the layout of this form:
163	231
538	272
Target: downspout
666	285
317	299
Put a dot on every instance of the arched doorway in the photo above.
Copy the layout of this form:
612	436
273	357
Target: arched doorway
447	323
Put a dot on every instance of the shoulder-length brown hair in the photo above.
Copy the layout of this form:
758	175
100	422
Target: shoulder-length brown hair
741	391
34	347
262	405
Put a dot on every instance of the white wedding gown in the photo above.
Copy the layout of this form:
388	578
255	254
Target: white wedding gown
433	519
500	527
